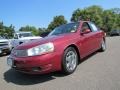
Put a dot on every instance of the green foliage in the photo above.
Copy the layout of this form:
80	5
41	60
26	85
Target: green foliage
32	29
57	21
105	19
43	32
6	31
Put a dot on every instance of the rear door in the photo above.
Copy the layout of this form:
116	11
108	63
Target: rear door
97	35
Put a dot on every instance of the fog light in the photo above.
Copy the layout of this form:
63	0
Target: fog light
36	69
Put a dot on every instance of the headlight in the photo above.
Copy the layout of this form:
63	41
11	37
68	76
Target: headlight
41	49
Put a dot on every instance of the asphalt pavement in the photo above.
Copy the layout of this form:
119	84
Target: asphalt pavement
100	71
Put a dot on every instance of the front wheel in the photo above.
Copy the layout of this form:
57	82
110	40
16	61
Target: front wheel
70	60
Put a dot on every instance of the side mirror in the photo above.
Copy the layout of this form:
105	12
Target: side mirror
86	31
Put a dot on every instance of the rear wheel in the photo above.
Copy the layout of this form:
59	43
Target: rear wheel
70	60
103	46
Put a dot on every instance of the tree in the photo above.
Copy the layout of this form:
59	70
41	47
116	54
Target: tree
92	13
105	19
9	31
43	32
116	12
32	29
95	13
57	21
1	25
76	14
6	31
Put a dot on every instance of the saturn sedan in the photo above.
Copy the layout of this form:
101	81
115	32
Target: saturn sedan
61	50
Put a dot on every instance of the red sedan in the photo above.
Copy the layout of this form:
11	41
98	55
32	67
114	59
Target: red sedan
61	50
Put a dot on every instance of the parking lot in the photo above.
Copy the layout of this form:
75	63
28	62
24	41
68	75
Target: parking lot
100	71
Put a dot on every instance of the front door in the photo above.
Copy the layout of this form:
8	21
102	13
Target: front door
87	40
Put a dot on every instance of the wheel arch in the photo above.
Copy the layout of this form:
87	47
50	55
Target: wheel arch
77	50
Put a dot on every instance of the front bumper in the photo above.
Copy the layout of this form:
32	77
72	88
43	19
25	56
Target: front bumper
4	50
36	64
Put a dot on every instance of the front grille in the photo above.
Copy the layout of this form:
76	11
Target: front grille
20	53
3	43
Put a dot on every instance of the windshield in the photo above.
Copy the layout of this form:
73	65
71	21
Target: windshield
66	28
25	35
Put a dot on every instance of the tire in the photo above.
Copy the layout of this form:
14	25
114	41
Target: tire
8	53
70	61
103	45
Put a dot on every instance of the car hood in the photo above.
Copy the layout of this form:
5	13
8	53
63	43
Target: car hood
43	41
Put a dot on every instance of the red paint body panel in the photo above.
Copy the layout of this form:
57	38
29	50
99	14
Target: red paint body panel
86	44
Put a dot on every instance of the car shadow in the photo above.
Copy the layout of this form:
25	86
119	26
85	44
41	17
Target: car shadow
25	79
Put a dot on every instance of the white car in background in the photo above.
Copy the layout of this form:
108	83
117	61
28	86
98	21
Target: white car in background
5	46
23	37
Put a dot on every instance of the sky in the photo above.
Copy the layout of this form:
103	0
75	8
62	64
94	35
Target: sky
40	13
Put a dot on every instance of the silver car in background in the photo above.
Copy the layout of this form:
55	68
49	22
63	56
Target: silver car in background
115	33
5	46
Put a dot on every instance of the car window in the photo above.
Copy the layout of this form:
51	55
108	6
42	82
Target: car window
93	27
85	26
